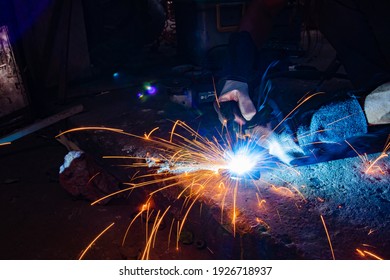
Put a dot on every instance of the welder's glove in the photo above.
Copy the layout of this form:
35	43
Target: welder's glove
238	92
333	123
280	145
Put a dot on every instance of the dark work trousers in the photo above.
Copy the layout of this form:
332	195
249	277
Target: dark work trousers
359	30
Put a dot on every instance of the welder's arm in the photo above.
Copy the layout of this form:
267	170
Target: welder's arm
243	45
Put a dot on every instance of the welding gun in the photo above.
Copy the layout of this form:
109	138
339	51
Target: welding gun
229	111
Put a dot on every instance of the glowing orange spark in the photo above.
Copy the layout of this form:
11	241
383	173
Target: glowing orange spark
173	129
186	214
144	207
367	245
283	191
327	235
93	177
170	232
177	235
111	194
260	201
359	155
346	117
89	128
93	241
149	239
296	107
121	157
382	155
234	208
147	136
223	204
5	143
372	165
373	255
360	252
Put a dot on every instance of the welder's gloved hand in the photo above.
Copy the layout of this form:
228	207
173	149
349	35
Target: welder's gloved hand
237	91
280	145
333	123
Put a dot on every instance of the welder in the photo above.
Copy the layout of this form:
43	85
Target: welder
359	32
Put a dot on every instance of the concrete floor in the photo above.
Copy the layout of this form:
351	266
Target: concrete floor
44	222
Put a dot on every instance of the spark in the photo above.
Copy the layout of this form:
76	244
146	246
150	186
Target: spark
372	166
363	253
112	194
132	221
170	232
93	241
327	235
173	129
153	233
360	252
363	159
93	177
346	117
89	128
283	191
186	215
260	201
177	235
373	255
234	208
147	136
382	155
300	103
5	143
287	189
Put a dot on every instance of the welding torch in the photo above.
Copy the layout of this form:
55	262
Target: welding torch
230	113
235	132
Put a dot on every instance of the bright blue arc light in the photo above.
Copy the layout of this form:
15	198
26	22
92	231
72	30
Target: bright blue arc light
241	162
